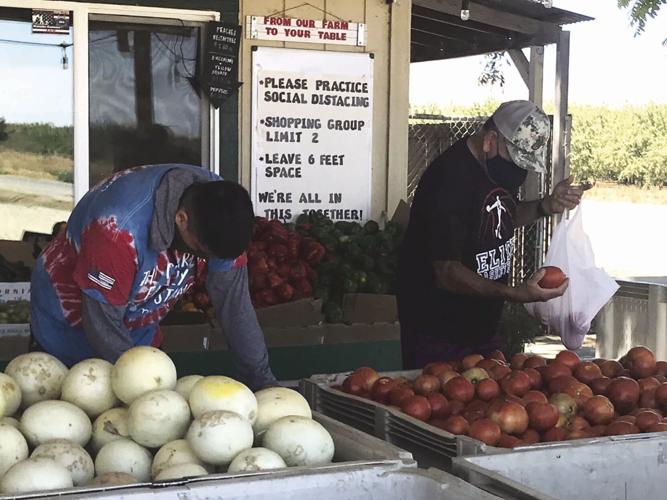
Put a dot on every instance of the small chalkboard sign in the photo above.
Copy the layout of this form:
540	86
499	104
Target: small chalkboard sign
221	61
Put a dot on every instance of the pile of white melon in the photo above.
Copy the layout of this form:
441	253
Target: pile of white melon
132	422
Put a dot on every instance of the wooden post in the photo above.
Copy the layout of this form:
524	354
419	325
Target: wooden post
536	186
536	75
398	106
533	188
534	81
521	63
562	83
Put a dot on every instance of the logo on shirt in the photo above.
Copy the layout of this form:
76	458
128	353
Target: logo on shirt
496	263
497	220
103	280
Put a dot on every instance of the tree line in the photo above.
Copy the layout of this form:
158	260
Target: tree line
626	145
37	138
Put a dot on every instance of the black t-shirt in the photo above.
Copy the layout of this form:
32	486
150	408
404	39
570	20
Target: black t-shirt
457	214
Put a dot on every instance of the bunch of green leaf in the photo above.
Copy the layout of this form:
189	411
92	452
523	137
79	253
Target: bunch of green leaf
15	312
641	11
360	259
517	328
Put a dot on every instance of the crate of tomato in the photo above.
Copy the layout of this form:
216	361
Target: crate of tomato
281	264
479	406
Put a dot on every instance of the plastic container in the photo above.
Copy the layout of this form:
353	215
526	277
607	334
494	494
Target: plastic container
361	482
430	446
616	468
354	449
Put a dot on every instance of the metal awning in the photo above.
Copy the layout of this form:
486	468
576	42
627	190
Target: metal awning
495	25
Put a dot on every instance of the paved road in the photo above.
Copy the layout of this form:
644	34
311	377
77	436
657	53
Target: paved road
14	219
18	217
60	191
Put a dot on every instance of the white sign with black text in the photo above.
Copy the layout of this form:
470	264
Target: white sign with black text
312	133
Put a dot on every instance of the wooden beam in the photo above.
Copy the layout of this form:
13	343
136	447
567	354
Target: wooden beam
559	171
431	39
455	22
490	16
536	75
423	53
449	49
521	63
451	30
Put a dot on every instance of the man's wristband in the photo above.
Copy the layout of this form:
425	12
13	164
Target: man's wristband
540	209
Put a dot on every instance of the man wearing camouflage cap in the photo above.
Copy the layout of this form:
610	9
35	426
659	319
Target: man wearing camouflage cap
457	254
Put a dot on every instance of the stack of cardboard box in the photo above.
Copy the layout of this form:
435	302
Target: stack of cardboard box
17	257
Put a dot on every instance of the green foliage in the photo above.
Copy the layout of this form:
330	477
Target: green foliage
65	176
40	138
641	11
625	145
3	130
517	328
494	69
478	109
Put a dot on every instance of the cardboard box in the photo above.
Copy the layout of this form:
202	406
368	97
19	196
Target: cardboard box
350	334
14	340
18	251
303	312
187	338
10	291
318	335
185	318
369	308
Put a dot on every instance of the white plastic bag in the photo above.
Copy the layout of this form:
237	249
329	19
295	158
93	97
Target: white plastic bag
590	287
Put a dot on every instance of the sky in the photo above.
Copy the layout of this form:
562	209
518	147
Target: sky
608	65
34	87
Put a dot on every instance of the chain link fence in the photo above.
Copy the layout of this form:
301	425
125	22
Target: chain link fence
429	136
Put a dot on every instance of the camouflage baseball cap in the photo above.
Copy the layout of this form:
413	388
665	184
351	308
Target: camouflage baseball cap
526	130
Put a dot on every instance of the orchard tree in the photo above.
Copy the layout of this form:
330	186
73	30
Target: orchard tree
641	11
3	130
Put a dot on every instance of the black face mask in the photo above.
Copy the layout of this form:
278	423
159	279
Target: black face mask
506	173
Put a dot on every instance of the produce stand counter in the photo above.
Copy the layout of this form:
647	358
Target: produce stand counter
296	361
614	468
294	353
431	447
298	341
364	467
363	482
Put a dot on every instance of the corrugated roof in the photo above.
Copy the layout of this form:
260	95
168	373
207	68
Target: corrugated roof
535	10
494	25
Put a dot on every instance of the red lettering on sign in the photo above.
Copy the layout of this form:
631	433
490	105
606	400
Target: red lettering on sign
294	33
278	21
336	25
324	35
305	23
